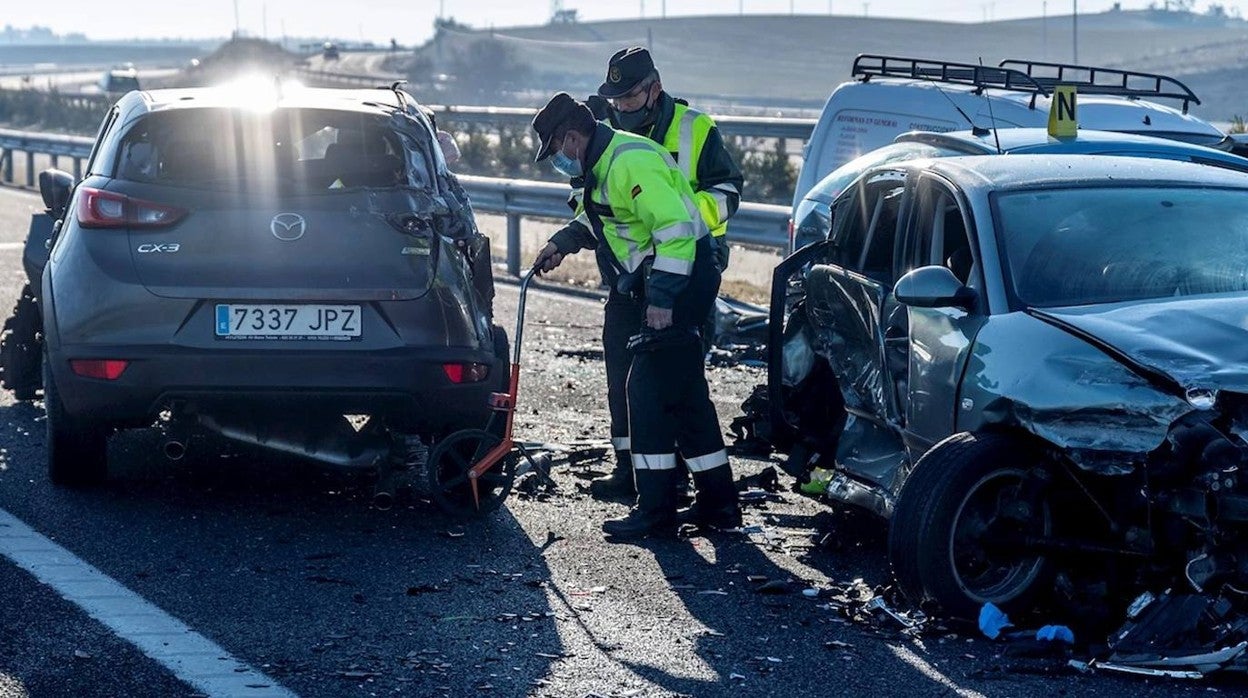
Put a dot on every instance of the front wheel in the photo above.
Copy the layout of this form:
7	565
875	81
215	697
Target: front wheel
959	531
77	448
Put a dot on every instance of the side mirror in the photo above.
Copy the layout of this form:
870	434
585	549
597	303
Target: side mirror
934	287
55	187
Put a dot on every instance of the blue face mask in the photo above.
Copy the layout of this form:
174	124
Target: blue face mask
566	165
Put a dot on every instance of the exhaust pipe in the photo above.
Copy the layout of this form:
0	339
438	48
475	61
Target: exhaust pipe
175	450
383	499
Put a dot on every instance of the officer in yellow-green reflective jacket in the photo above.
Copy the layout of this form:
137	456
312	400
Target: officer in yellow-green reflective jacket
642	210
633	100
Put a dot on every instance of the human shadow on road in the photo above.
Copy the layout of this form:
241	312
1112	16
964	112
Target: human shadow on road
754	631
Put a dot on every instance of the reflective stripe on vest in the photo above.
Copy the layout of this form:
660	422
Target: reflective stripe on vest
683	139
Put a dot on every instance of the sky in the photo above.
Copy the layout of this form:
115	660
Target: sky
411	21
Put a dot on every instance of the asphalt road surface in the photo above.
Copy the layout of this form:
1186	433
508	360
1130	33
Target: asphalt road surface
294	576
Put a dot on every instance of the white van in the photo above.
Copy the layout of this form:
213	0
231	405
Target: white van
891	95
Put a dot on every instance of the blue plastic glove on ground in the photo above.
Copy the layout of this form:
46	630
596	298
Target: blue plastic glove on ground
1054	633
992	621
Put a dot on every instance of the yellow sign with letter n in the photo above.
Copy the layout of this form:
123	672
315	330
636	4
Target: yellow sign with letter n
1063	122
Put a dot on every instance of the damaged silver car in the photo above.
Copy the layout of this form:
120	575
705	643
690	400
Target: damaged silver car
1036	367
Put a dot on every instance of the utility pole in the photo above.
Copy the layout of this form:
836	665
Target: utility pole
236	28
1075	29
264	21
865	5
664	9
1044	29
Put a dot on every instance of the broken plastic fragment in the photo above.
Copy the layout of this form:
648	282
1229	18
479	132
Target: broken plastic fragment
1141	602
878	604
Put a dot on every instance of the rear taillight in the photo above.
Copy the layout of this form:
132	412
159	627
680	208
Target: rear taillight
104	369
466	373
105	209
792	233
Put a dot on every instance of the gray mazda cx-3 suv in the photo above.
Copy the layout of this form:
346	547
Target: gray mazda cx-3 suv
263	263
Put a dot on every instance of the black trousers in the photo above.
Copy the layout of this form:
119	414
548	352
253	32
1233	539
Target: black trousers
622	318
669	404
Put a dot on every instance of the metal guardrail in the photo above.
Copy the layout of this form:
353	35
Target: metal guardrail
729	125
31	144
746	126
761	225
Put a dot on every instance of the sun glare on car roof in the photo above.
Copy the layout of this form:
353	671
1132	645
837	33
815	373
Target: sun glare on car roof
258	92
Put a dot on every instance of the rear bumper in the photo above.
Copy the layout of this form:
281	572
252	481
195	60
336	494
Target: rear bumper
405	384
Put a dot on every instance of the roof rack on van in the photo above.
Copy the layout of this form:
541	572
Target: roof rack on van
867	65
1104	81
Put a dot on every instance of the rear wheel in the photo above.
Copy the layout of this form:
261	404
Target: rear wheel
77	448
21	347
958	524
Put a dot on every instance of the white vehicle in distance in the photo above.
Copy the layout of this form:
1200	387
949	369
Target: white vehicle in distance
890	95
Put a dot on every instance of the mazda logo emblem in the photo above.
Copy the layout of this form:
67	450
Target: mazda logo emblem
288	226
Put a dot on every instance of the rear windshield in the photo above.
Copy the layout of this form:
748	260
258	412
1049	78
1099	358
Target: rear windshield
304	150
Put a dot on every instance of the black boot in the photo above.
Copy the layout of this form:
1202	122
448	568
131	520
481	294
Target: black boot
619	485
716	506
655	513
680	484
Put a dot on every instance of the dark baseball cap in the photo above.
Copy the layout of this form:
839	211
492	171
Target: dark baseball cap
559	110
626	68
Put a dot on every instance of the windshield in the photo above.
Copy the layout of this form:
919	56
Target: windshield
300	150
1105	245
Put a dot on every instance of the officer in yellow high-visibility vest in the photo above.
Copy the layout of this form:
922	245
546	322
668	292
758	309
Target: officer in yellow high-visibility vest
642	210
639	104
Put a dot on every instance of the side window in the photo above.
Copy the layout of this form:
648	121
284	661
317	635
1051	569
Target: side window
940	235
93	161
866	226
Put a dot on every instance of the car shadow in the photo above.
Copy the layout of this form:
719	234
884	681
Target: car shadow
287	566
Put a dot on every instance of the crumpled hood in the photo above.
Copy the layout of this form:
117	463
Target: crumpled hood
1197	342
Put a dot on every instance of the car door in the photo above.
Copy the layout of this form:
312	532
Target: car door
941	232
849	302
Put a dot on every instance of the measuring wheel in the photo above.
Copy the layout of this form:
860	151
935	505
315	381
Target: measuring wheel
447	473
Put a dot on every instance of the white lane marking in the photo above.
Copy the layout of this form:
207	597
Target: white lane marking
931	672
12	245
191	657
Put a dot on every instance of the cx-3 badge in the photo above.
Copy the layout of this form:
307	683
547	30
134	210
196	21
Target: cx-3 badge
288	226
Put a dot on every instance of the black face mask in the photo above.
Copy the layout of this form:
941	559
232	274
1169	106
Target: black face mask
636	120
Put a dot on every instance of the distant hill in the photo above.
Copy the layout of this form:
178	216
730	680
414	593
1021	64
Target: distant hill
798	60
